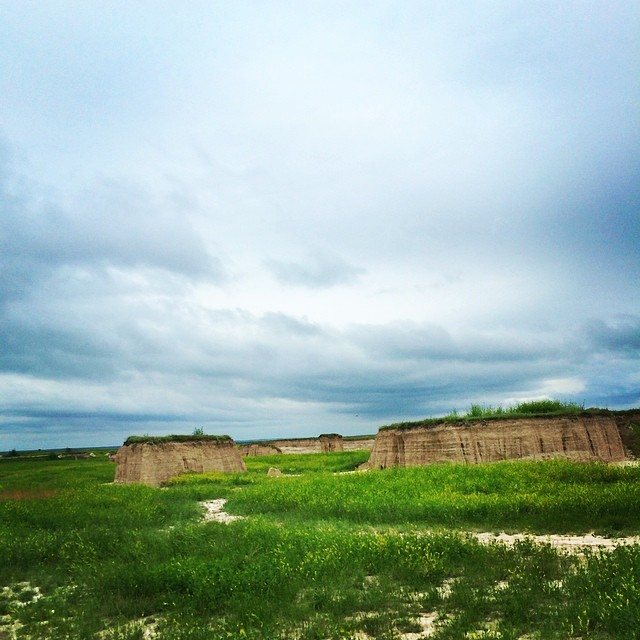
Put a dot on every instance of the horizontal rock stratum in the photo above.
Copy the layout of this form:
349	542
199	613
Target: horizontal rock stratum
153	461
325	443
579	438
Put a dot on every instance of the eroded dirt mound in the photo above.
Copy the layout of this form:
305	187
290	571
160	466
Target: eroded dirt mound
258	449
153	463
322	444
580	438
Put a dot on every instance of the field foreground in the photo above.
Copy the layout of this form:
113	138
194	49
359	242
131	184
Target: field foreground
318	553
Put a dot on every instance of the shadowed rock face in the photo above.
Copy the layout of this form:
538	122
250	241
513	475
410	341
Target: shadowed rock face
154	463
629	427
580	438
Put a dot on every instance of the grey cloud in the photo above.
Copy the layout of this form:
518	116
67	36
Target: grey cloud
405	340
437	195
66	415
386	369
621	334
113	225
430	342
291	327
316	272
217	364
52	352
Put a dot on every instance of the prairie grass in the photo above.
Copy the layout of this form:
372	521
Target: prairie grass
197	436
551	496
331	556
534	408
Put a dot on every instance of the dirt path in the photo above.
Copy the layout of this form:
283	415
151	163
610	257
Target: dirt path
567	542
214	512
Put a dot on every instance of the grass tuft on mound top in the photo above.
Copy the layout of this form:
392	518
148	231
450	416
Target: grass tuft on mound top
176	438
533	409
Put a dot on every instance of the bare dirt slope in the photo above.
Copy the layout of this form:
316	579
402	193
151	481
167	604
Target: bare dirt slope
153	463
580	437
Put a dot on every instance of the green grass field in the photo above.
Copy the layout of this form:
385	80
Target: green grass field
320	554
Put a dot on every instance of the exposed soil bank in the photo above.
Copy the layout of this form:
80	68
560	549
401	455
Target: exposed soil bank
325	443
153	463
573	437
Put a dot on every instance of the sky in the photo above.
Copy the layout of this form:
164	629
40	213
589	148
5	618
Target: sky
287	218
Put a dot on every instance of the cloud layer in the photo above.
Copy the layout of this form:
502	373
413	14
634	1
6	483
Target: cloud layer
289	219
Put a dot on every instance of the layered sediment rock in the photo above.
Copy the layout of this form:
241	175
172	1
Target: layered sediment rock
154	462
572	437
322	444
258	449
629	426
362	443
331	442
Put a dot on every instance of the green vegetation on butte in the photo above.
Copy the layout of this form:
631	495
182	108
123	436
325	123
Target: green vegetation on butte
531	409
197	437
319	553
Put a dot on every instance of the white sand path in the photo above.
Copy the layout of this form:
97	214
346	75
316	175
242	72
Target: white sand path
214	512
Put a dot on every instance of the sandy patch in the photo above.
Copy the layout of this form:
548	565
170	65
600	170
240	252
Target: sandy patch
214	511
567	542
427	622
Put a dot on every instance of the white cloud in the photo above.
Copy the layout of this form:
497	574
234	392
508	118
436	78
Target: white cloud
283	215
563	386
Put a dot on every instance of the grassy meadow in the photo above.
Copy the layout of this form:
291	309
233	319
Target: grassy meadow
320	553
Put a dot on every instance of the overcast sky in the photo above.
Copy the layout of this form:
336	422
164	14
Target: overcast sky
287	218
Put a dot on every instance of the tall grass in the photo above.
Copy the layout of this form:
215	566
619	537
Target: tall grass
520	410
533	407
550	496
96	560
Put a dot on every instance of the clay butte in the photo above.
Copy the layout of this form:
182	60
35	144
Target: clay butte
153	460
324	443
581	437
